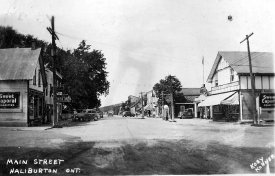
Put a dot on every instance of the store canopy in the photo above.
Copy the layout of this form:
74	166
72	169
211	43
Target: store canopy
232	100
215	99
200	98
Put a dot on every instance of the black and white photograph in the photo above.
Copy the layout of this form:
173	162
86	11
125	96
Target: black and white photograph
137	87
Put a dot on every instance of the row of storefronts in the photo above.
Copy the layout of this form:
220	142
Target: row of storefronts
230	97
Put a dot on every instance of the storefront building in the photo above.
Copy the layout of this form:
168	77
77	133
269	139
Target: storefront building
48	91
231	94
22	78
190	104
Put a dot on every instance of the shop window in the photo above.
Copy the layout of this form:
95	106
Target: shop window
34	78
231	75
39	79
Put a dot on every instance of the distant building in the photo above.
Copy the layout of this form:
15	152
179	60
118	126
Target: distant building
231	94
190	94
22	78
151	102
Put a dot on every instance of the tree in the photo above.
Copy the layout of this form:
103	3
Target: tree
83	71
167	85
85	76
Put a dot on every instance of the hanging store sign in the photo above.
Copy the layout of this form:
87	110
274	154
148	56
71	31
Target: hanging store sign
63	98
9	100
267	100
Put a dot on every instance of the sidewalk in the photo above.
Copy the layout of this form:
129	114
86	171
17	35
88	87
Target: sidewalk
37	128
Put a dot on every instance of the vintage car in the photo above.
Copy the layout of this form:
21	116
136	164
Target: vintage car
86	115
188	113
128	113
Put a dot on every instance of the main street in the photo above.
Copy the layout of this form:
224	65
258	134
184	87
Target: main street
119	145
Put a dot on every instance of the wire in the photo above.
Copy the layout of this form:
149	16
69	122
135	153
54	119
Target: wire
125	50
245	57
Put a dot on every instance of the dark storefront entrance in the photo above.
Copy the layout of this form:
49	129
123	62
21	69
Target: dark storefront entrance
35	107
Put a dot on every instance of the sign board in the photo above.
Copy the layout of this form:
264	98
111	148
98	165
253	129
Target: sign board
63	98
267	100
9	100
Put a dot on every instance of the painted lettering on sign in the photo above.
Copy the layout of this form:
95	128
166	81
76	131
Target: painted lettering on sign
267	100
9	100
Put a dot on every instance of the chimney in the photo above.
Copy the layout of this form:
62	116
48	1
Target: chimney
33	45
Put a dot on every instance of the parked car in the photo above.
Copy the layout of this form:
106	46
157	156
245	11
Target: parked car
101	114
84	115
110	113
95	113
188	113
128	113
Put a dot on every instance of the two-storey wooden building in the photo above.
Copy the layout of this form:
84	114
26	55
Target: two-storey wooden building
231	93
22	78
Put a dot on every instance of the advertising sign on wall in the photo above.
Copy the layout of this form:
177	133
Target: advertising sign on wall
267	100
9	100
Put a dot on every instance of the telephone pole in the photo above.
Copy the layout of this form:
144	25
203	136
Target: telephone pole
172	101
53	52
254	111
162	105
142	106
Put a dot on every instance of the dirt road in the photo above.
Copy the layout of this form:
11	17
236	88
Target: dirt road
119	145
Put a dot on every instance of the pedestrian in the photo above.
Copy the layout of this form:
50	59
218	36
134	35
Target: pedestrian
154	114
166	112
149	113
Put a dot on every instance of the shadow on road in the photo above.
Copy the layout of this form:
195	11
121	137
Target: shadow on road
141	157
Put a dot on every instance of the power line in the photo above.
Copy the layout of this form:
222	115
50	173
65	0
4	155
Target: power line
125	50
246	57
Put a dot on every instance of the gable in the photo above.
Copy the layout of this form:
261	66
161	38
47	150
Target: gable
262	62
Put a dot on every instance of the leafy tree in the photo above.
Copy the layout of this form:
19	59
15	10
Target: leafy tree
83	71
85	76
169	85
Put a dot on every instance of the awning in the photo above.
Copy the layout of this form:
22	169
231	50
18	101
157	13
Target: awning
200	98
215	99
232	100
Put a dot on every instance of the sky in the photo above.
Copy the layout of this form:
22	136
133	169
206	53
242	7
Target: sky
145	40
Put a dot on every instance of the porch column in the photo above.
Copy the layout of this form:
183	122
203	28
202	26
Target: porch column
196	110
241	107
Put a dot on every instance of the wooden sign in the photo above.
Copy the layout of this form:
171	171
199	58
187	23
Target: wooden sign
9	100
267	100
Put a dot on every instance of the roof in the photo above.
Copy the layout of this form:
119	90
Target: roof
215	99
190	91
18	63
262	62
56	72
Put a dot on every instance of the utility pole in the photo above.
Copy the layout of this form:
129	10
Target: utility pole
53	52
172	101
142	106
254	111
202	70
162	105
